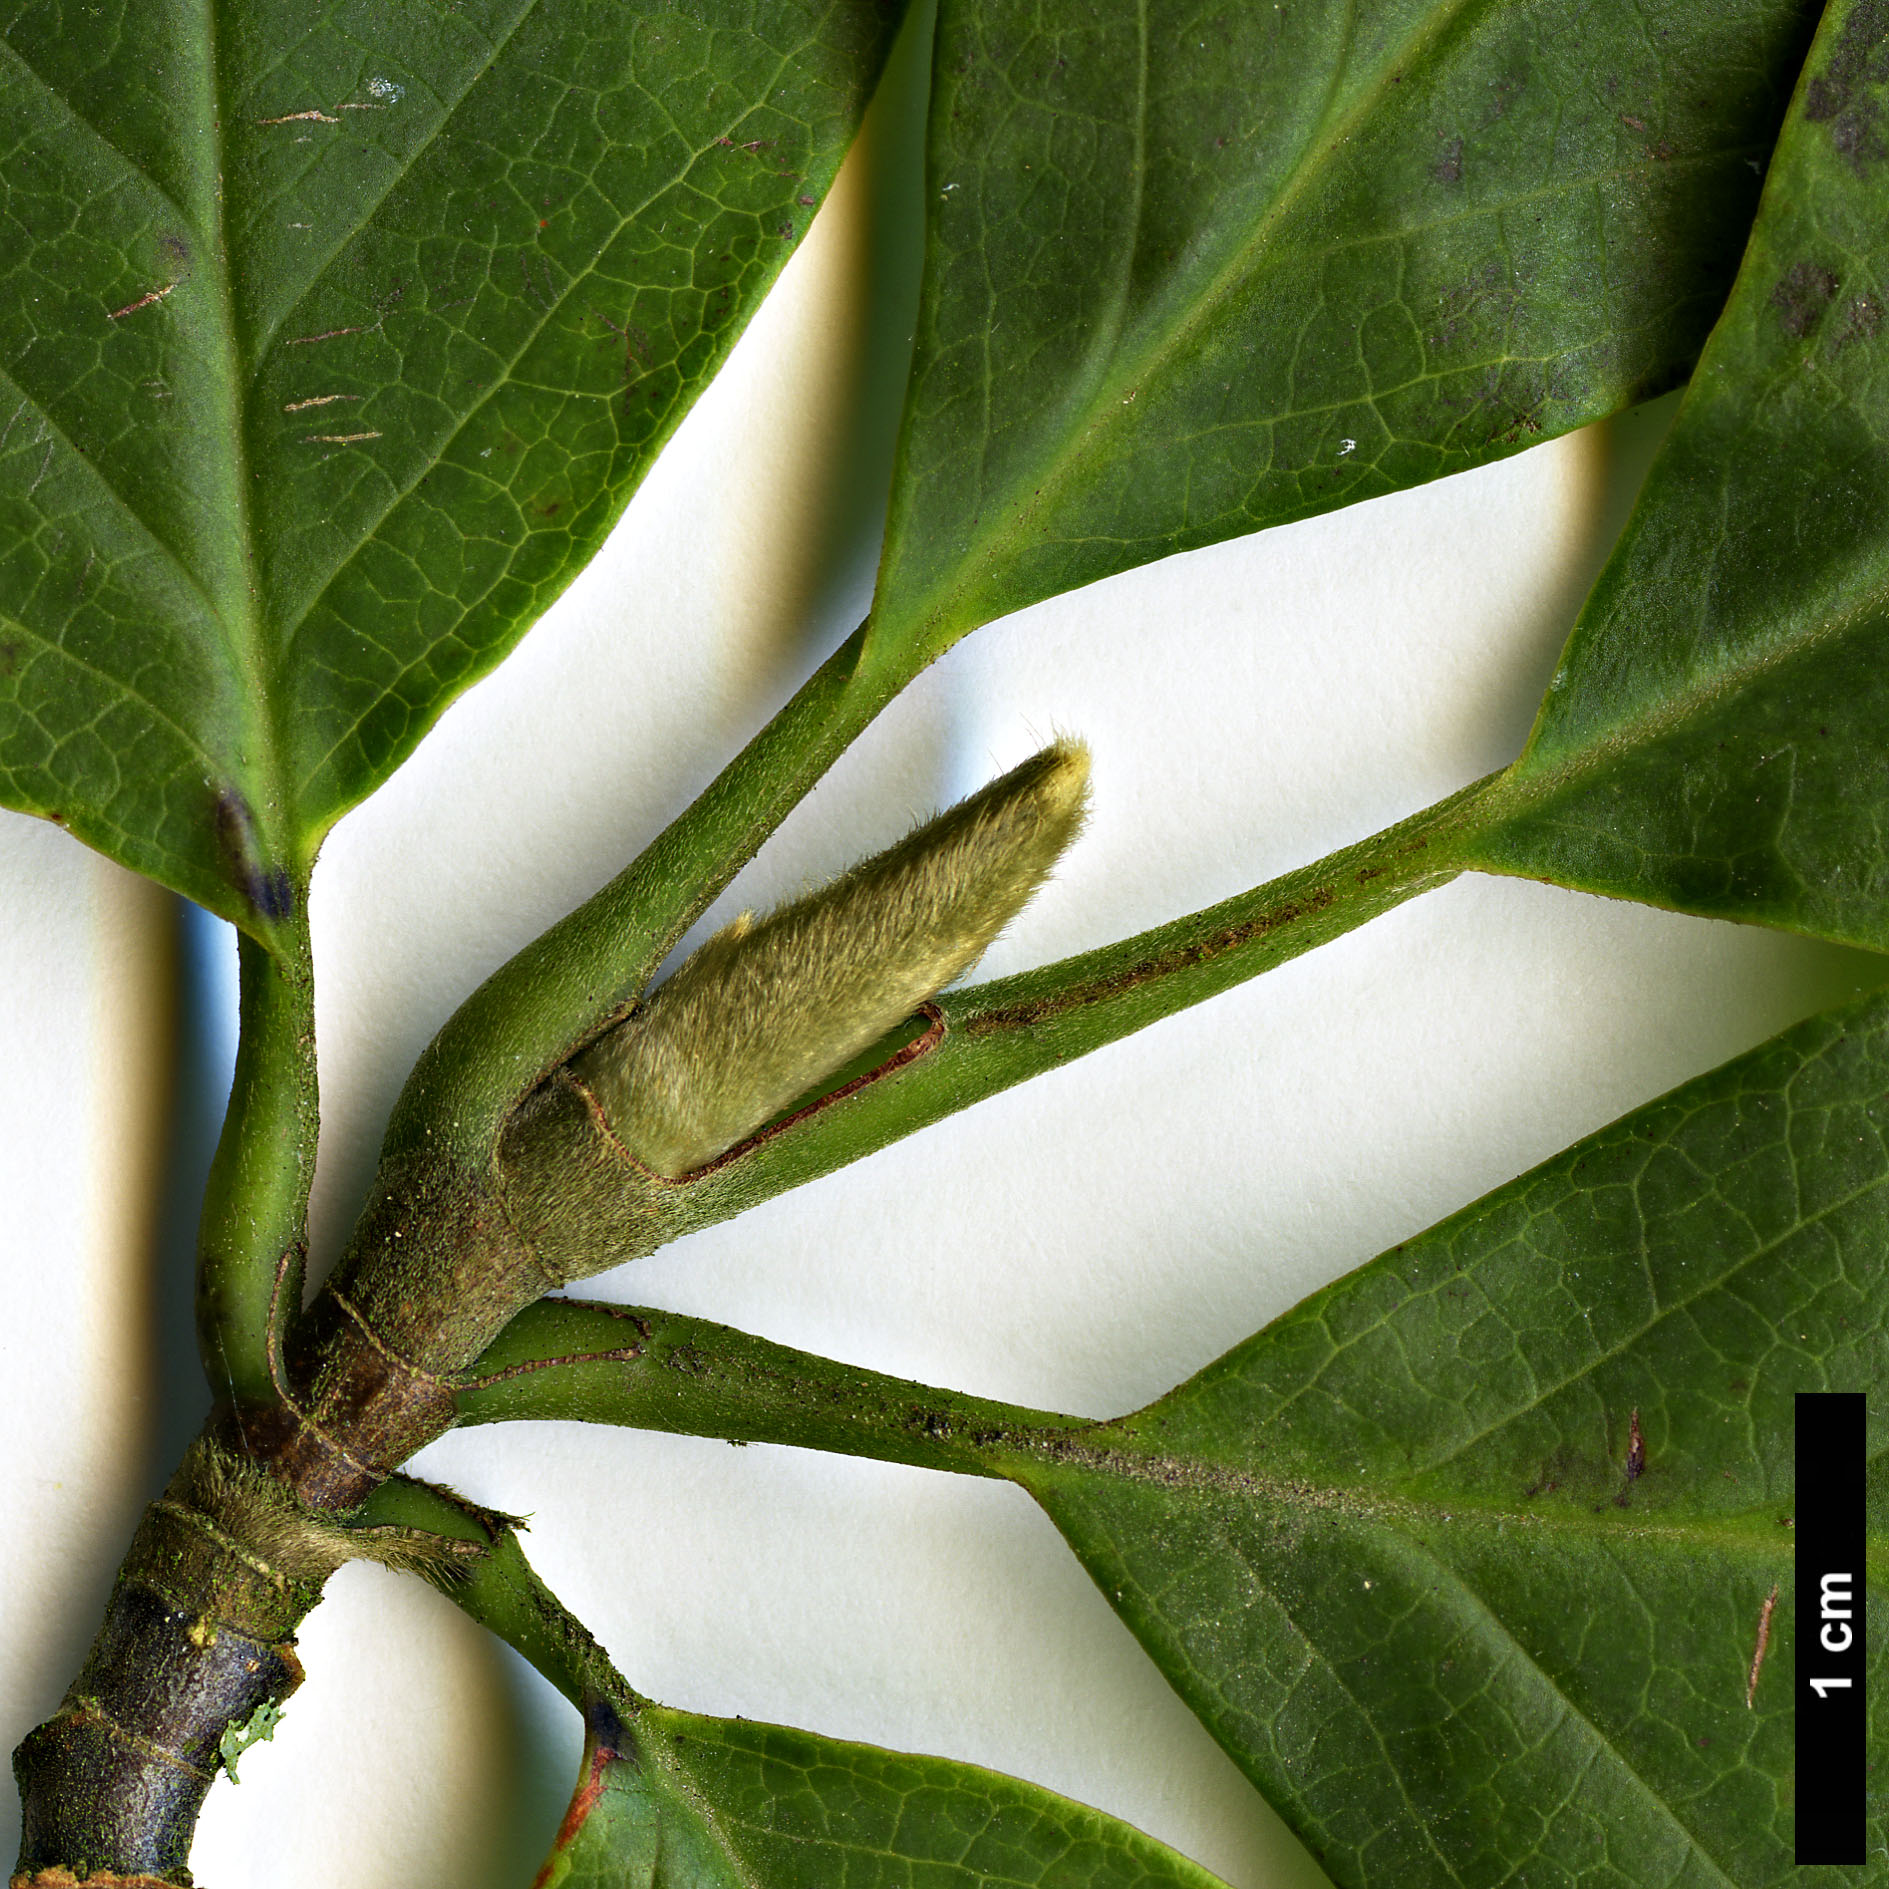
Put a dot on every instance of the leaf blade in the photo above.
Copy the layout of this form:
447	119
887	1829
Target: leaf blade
730	1804
1709	741
269	266
1156	310
1401	1555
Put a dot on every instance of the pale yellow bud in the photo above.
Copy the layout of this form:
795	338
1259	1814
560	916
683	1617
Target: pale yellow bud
769	1008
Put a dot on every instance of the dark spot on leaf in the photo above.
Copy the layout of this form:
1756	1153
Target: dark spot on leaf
1835	96
176	251
1802	297
267	888
1636	1450
604	1725
1448	169
9	657
1502	95
1862	320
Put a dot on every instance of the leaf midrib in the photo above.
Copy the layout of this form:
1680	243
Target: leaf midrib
1233	271
228	584
1750	1531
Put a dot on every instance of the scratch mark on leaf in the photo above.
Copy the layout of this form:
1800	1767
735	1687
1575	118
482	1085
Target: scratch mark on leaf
319	400
547	298
143	301
336	439
310	116
330	334
1764	1640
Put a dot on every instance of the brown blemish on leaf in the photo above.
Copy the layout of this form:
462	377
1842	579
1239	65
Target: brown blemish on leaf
1448	169
143	301
1764	1640
1636	1449
1801	298
330	334
311	116
1502	94
1862	321
319	400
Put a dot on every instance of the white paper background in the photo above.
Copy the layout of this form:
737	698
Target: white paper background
1081	1243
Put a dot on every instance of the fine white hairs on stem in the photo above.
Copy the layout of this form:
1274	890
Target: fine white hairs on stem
770	1007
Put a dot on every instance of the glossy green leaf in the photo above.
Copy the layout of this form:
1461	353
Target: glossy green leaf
1713	740
332	340
1197	269
687	1802
1467	1559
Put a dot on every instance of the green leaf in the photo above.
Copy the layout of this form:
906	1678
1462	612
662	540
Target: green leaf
704	1803
332	340
1467	1559
1712	740
1195	271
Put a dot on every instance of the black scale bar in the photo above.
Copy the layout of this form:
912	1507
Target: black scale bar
1831	1605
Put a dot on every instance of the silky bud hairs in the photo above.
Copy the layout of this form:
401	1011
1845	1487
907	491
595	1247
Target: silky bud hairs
767	1008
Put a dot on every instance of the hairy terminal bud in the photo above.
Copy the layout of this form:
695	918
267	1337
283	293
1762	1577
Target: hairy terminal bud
769	1008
